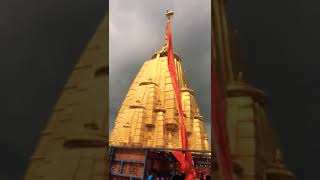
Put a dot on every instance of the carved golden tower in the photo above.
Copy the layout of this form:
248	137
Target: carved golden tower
73	145
254	148
148	116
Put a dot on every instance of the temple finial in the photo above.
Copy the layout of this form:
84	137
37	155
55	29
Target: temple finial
169	13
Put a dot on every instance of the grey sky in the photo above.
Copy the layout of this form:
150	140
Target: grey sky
137	30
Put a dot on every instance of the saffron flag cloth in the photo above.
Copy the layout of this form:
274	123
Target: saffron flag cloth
185	158
220	133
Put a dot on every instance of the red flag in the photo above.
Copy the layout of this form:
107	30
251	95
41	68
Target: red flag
218	120
184	158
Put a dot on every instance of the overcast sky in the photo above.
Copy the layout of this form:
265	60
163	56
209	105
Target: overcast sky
137	30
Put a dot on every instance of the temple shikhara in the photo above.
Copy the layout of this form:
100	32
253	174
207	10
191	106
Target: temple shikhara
252	145
159	125
148	116
73	144
159	118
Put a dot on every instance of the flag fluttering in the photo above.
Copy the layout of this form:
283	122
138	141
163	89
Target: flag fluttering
185	158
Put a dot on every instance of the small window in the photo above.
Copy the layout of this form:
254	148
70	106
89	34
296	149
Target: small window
103	71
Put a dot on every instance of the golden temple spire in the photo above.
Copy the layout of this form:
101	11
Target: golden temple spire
251	138
154	122
74	137
222	40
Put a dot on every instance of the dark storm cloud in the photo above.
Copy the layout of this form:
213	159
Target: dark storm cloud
40	41
137	30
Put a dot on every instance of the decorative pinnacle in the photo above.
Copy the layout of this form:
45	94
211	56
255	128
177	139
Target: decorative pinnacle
164	48
169	13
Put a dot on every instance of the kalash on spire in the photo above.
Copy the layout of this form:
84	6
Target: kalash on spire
160	113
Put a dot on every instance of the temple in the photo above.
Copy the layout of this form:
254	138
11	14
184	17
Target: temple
254	148
149	128
148	116
73	144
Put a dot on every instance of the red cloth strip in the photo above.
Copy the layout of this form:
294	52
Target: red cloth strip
186	158
220	133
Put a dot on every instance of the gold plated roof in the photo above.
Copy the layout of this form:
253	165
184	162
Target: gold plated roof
72	146
148	116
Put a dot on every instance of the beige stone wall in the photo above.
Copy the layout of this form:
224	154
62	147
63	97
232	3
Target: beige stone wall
253	143
241	128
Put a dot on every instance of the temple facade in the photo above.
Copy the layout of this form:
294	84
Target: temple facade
148	116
